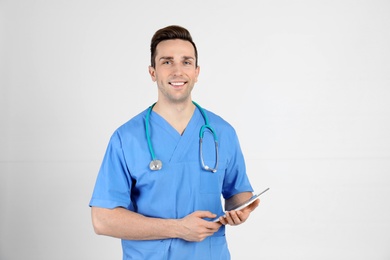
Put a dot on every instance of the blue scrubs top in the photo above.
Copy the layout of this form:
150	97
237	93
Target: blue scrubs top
179	188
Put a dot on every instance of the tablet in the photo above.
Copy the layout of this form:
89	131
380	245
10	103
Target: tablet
244	204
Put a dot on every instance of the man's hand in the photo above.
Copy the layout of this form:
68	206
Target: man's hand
238	217
194	228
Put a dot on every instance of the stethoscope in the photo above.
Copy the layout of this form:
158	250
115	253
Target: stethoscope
156	164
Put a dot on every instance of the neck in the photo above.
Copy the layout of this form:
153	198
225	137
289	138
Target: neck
177	115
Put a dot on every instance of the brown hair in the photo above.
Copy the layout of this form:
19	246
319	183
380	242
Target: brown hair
170	33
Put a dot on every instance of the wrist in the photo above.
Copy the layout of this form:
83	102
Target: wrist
179	230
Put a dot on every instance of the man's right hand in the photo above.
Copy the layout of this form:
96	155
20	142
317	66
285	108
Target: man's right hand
194	228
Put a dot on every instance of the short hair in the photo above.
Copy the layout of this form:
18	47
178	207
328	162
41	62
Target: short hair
171	32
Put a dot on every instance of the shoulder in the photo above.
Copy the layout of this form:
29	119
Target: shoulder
222	127
132	127
217	120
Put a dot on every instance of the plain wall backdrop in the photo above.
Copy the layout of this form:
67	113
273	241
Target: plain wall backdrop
306	84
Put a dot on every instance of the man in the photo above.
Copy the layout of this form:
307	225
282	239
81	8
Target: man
162	209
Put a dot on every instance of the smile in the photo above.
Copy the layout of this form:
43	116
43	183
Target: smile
177	84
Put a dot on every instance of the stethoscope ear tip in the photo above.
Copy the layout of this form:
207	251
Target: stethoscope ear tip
213	170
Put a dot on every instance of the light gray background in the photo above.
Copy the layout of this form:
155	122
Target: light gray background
305	83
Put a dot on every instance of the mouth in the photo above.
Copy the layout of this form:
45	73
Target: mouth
177	84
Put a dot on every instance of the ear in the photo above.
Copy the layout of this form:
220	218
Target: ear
152	73
197	71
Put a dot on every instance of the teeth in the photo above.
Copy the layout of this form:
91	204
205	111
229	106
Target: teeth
177	83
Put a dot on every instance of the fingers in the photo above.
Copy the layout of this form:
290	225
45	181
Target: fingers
234	218
238	217
195	228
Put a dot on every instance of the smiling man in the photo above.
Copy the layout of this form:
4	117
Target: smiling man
176	72
161	208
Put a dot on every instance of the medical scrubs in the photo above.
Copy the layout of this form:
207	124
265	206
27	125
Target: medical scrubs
181	187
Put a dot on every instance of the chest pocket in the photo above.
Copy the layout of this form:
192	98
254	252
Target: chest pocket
211	182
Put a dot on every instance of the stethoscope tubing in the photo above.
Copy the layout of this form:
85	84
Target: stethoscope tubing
156	164
147	130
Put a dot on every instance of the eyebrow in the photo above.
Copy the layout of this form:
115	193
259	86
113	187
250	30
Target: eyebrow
171	58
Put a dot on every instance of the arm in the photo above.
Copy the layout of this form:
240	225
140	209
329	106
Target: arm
125	224
238	217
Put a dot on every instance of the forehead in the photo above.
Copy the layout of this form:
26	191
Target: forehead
175	47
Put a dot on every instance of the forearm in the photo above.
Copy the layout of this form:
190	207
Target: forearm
125	224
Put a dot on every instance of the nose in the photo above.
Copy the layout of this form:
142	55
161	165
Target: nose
177	70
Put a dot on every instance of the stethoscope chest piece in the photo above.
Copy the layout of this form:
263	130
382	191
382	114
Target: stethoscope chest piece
155	165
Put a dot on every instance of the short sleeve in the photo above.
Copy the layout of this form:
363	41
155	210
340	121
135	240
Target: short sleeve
236	179
113	183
